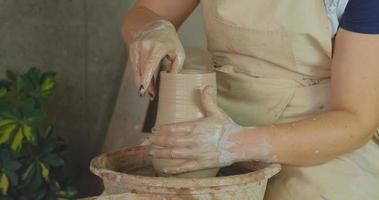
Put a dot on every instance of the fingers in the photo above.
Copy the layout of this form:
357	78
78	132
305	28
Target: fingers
182	127
133	62
150	45
208	100
150	65
176	140
172	153
145	58
176	55
152	89
191	165
177	58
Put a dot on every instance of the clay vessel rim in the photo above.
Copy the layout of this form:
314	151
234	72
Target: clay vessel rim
97	168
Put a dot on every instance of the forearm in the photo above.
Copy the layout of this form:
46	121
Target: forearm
147	12
137	19
307	142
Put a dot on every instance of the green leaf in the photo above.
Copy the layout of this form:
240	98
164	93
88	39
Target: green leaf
56	184
13	178
44	171
5	134
4	184
21	83
28	105
8	112
5	122
41	194
3	91
49	145
71	191
62	194
12	165
47	132
47	82
53	160
30	111
28	172
17	140
29	134
34	75
4	155
10	75
46	95
36	180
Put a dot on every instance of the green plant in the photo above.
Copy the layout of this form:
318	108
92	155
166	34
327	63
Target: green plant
31	162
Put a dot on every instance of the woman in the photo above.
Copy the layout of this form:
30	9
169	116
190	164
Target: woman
291	89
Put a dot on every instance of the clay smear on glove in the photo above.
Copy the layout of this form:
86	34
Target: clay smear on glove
266	148
226	156
153	26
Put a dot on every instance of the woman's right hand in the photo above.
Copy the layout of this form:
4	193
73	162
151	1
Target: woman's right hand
148	47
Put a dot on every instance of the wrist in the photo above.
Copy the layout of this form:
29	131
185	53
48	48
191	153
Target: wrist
155	26
159	24
255	145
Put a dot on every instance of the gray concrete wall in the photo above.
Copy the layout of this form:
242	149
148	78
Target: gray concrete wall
80	40
192	33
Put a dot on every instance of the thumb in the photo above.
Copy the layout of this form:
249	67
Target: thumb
150	66
177	58
208	100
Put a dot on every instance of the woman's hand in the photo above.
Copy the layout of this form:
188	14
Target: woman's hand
148	47
205	143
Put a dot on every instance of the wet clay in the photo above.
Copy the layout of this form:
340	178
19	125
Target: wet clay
180	101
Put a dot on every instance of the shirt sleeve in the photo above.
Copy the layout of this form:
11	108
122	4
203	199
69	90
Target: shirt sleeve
361	16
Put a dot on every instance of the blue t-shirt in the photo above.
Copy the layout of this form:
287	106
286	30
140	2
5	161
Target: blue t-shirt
361	16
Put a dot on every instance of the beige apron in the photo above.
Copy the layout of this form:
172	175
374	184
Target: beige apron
273	66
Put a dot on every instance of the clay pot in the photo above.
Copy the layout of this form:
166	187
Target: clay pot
127	174
180	101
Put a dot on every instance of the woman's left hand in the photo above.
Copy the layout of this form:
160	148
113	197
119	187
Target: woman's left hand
205	143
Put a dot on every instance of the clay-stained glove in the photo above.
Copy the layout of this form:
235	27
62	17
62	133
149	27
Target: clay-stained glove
205	143
148	47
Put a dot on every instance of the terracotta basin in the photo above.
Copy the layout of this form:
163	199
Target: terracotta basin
129	172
